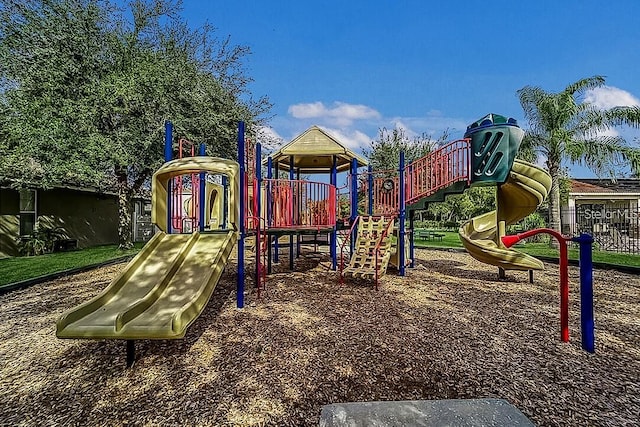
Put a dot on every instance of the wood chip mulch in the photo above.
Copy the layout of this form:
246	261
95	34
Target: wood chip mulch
450	329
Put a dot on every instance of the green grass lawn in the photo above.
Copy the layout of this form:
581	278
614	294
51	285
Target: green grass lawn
451	240
22	268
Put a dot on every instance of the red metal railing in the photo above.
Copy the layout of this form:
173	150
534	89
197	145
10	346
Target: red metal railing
343	201
250	217
299	203
437	170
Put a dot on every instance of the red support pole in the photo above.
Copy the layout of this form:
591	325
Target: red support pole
509	241
564	291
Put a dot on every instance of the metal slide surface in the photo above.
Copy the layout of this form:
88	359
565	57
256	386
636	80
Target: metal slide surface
525	189
160	292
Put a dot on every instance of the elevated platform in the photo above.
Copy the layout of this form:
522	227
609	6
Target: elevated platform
298	230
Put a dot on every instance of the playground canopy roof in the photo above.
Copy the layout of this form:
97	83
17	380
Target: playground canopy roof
312	152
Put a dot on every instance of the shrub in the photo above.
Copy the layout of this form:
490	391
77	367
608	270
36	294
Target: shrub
41	241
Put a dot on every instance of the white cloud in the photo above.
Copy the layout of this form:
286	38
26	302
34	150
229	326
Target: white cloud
353	139
340	113
606	97
356	125
398	123
433	124
268	133
308	111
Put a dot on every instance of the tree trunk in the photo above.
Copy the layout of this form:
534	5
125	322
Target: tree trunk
555	219
125	193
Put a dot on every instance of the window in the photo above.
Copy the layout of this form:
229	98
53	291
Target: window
27	211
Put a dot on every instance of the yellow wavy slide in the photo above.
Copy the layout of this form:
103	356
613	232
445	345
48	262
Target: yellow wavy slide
525	189
160	292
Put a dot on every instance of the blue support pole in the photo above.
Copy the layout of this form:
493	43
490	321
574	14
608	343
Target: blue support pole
354	201
587	322
370	188
240	225
168	156
168	141
333	180
402	216
291	177
203	189
258	178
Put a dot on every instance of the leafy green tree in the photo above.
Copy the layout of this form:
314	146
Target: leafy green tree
384	152
461	207
87	87
49	57
384	155
564	128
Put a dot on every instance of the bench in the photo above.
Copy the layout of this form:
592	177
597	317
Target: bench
64	245
429	235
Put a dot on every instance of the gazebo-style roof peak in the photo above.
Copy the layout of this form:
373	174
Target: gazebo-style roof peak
313	151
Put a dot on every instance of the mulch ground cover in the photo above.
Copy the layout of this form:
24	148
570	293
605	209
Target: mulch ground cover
449	329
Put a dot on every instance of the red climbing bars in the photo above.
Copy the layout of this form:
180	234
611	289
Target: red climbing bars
186	195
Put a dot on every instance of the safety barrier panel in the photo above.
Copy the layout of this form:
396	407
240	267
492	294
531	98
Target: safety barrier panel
438	170
299	203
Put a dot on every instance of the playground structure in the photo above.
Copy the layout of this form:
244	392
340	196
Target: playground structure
204	206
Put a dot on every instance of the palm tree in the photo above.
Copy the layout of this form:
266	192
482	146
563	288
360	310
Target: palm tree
565	128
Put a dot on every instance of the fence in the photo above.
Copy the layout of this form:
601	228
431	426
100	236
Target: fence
615	228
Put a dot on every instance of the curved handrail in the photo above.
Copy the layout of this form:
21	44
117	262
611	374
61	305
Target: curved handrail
511	240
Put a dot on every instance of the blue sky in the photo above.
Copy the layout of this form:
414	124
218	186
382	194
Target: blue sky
355	66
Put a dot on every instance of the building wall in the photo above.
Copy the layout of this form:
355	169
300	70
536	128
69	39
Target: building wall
90	218
9	221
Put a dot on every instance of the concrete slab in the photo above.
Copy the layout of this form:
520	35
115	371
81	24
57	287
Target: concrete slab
410	413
